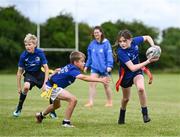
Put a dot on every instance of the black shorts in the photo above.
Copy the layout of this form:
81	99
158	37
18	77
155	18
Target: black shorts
129	82
35	79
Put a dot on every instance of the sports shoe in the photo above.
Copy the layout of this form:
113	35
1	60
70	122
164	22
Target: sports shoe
121	122
146	118
67	124
17	113
53	115
39	117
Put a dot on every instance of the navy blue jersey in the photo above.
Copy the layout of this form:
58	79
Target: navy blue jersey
132	53
32	62
65	77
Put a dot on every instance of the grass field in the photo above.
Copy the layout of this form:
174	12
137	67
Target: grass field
163	100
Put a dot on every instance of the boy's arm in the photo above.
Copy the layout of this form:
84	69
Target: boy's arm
46	71
104	80
54	72
19	74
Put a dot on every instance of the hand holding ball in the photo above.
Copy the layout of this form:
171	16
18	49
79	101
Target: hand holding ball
153	52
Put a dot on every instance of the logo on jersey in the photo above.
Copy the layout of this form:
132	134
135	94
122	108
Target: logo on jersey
136	47
37	59
101	50
26	59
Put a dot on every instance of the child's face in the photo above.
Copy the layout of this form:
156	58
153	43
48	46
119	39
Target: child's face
80	64
124	43
30	46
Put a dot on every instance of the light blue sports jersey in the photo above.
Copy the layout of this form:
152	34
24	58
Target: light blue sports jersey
132	53
32	62
65	77
99	56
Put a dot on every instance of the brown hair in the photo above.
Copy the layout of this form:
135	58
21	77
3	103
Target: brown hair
123	33
101	30
76	56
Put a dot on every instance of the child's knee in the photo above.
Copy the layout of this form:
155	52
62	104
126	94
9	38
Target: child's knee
74	100
141	90
26	89
56	106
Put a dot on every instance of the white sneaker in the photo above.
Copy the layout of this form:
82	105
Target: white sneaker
67	124
53	115
17	113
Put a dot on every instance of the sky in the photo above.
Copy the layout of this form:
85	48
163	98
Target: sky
155	13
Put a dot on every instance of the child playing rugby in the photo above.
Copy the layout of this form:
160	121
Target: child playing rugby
30	63
63	78
128	57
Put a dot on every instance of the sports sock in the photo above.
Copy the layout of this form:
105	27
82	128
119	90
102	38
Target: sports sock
144	110
21	100
122	116
50	101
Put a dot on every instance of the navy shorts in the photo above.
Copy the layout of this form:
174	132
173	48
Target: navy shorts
129	82
36	79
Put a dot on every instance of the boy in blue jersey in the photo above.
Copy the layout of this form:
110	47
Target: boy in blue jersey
30	63
100	61
63	78
128	57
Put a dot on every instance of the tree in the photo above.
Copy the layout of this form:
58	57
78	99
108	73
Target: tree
13	28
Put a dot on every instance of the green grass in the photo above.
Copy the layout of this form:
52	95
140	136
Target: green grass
163	102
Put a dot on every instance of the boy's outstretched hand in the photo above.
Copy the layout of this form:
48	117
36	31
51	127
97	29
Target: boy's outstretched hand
106	80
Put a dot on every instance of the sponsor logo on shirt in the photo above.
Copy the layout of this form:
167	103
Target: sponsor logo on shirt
37	59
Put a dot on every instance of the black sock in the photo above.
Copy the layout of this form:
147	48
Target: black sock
50	101
21	100
144	111
122	116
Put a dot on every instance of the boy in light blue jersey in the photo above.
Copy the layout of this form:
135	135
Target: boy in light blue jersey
63	78
30	63
100	61
128	57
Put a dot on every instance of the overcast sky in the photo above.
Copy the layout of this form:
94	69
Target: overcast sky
155	13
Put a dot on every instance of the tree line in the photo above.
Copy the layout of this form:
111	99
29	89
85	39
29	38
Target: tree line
59	32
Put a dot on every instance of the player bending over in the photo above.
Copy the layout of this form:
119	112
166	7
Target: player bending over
63	78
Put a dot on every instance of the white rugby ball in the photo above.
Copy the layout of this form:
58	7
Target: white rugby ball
153	52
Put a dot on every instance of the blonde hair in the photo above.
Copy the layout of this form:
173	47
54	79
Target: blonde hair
30	38
76	56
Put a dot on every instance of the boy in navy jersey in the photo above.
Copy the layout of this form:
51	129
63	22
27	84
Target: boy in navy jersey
63	78
128	57
30	63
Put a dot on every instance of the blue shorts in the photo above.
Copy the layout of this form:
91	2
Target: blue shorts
129	82
99	73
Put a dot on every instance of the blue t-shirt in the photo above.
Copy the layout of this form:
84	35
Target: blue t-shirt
32	62
65	77
132	53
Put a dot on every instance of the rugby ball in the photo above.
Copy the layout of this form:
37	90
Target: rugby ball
153	52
